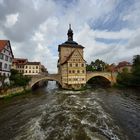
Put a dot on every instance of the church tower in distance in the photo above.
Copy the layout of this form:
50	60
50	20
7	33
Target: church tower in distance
71	64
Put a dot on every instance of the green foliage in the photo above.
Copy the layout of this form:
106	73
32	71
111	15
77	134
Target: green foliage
131	79
89	68
2	79
97	65
17	79
136	65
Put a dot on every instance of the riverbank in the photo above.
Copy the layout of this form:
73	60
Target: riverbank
11	92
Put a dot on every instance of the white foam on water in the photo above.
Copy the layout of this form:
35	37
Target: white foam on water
31	131
94	136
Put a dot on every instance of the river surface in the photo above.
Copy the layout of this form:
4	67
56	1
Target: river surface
51	113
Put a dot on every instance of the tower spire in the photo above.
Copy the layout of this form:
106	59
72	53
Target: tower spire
70	33
69	26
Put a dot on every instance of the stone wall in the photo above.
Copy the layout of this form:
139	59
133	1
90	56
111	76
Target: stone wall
11	92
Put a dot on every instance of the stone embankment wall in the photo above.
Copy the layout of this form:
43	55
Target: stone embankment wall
11	92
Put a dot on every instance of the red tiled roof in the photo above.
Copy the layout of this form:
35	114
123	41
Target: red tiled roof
20	60
3	44
123	64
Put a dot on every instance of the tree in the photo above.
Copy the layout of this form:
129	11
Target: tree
136	70
136	65
89	68
2	81
17	79
125	78
98	65
131	79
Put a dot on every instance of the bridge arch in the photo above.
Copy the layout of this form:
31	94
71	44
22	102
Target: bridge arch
35	80
104	75
99	76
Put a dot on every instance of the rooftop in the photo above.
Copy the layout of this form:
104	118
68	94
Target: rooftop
3	44
33	63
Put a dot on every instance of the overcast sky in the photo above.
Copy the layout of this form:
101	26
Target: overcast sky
108	29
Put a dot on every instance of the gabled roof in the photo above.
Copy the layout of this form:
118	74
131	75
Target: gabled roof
68	58
3	43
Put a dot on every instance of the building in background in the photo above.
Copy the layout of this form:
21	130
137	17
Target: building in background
18	64
71	64
124	65
32	68
25	67
6	57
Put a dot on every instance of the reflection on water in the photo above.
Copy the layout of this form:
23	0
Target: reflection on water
51	113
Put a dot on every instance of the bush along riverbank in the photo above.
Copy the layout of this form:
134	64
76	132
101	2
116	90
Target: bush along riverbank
18	85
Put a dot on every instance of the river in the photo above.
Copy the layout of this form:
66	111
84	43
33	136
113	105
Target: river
51	113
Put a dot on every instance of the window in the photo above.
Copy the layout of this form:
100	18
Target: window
76	65
82	65
29	67
70	65
83	71
10	60
78	71
5	66
29	71
26	67
73	71
1	56
9	66
36	67
69	71
26	71
6	57
0	65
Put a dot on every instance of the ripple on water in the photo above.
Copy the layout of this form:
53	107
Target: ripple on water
71	116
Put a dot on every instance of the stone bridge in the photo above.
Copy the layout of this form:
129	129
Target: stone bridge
108	75
51	77
57	77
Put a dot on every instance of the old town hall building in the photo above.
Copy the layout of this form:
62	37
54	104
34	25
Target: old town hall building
71	64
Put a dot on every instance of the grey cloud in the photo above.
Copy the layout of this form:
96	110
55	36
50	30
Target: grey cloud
29	18
134	42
